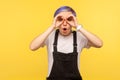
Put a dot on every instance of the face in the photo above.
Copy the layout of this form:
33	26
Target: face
65	19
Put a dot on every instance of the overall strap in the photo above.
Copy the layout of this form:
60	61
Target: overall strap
74	41
55	40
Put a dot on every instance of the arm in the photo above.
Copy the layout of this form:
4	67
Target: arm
93	40
40	40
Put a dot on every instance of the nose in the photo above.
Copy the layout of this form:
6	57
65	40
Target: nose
64	22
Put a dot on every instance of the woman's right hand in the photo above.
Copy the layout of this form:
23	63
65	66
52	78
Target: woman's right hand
58	20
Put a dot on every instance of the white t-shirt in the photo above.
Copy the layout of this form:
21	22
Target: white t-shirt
64	44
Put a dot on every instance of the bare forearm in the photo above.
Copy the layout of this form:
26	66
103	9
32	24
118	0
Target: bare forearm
39	41
93	39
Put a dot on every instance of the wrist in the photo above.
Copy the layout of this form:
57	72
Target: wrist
53	26
78	27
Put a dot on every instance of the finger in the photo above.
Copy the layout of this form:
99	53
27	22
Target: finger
59	23
55	19
57	16
60	18
71	19
70	15
75	20
71	23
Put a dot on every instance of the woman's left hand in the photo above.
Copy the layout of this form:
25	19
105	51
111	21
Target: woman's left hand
72	21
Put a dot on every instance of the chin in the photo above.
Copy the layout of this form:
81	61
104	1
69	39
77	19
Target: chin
66	34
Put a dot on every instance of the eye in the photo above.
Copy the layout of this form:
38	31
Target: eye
70	18
60	18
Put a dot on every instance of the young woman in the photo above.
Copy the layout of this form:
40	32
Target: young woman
64	45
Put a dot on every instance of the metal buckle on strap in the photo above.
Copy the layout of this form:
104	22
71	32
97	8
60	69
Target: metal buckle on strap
75	45
54	45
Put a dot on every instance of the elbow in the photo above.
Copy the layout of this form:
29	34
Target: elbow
100	44
32	48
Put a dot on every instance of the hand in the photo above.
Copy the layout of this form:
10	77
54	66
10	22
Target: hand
72	20
58	20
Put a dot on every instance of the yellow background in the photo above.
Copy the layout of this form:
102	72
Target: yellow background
23	20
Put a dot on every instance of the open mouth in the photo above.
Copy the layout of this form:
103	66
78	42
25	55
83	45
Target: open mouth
64	29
